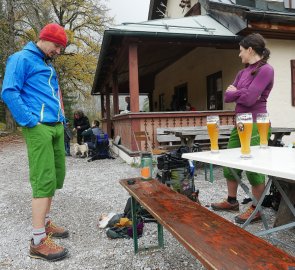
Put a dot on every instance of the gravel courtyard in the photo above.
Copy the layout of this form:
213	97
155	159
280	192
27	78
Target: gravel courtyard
91	189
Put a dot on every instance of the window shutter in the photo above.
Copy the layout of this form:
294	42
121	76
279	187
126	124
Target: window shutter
293	82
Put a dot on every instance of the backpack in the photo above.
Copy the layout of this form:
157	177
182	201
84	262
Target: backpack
141	213
101	147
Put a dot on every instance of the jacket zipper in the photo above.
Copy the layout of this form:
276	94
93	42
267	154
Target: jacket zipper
52	89
42	112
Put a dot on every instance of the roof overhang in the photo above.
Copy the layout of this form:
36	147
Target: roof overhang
160	42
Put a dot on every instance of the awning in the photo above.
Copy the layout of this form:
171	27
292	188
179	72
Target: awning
161	42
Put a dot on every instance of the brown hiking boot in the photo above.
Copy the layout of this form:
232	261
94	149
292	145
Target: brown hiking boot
47	250
55	231
225	206
241	219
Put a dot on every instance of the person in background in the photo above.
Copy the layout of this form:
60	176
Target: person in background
127	100
91	132
189	107
250	91
31	92
68	136
81	123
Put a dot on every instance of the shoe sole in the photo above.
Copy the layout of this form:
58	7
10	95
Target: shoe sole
35	256
60	236
252	221
227	210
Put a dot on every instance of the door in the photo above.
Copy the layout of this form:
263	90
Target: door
214	91
180	96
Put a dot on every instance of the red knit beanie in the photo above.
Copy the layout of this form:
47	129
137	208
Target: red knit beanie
55	33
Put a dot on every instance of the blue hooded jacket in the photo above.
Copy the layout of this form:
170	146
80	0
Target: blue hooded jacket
30	88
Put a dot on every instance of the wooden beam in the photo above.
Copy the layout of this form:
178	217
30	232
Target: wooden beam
102	106
133	78
272	26
115	93
108	112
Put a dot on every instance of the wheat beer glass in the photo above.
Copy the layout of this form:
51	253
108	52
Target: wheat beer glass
263	124
244	126
213	128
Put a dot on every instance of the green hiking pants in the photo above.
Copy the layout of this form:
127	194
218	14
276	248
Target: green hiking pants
46	153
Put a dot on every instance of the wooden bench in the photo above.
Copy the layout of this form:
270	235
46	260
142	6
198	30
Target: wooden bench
213	240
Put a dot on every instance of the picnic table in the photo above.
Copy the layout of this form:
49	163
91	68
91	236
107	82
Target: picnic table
188	135
273	161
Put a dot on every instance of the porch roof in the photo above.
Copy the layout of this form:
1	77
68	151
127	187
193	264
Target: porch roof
162	41
193	26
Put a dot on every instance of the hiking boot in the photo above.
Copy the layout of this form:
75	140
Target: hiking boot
241	219
47	250
225	206
55	231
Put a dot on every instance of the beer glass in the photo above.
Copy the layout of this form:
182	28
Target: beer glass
263	124
244	126
213	128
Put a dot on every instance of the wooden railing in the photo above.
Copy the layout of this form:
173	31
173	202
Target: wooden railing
124	124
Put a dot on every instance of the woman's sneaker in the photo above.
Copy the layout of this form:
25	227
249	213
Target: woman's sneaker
55	231
241	219
225	206
47	250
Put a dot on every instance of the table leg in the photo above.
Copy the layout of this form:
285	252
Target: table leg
134	224
258	204
243	186
259	208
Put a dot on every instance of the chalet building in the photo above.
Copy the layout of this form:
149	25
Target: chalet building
187	51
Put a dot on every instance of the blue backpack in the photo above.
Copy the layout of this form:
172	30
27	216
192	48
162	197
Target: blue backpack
101	150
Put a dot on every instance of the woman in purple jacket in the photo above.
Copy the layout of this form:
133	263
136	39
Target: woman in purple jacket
249	91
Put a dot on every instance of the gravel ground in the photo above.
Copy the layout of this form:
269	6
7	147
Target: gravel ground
90	190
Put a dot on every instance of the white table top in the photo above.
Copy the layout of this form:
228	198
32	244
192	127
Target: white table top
275	161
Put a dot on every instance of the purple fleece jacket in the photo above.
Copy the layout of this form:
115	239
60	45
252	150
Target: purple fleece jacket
252	90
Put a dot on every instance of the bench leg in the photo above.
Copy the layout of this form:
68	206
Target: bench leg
134	228
160	236
134	224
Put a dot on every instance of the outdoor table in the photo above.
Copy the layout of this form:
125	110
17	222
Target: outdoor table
279	133
273	161
188	135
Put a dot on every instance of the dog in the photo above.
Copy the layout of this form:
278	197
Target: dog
81	150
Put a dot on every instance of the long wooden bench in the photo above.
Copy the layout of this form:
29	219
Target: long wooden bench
213	240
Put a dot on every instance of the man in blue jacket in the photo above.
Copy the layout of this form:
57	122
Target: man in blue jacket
31	92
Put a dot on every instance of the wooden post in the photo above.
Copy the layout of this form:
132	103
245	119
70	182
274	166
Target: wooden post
102	106
108	112
133	78
115	93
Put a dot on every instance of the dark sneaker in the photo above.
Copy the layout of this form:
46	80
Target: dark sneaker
55	231
225	206
241	219
47	250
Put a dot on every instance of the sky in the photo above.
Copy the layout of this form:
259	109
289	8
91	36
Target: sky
128	10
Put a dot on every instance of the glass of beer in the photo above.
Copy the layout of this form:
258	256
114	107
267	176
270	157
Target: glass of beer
263	124
213	129
244	126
